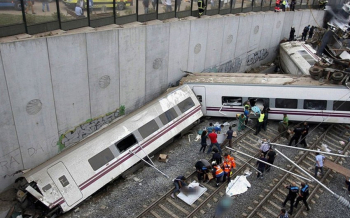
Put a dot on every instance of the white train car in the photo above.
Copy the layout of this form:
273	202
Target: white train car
73	175
297	57
302	98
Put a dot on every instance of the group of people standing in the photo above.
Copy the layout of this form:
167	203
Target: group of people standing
307	30
283	4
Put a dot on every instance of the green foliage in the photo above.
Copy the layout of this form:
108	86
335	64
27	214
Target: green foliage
121	110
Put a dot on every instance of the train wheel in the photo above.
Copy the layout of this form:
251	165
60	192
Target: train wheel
337	76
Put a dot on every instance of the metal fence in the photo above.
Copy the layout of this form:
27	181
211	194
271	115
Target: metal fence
37	16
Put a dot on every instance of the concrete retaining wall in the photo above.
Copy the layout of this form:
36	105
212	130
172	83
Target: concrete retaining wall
52	89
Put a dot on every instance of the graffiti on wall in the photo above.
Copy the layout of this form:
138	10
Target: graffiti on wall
80	132
257	56
231	66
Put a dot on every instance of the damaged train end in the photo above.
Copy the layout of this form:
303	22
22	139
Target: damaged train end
64	181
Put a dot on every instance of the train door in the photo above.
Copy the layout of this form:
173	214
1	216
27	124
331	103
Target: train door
200	93
65	183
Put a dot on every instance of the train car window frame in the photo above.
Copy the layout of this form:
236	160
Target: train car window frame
278	104
231	101
309	104
46	188
101	159
63	180
341	105
265	101
148	129
168	116
186	104
130	139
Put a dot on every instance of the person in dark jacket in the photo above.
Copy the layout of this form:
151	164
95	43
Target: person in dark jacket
203	141
216	157
266	117
304	193
304	134
292	5
297	134
311	32
291	34
306	29
293	192
261	165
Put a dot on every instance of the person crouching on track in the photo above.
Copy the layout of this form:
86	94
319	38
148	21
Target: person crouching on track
218	172
179	182
293	192
202	171
304	193
228	165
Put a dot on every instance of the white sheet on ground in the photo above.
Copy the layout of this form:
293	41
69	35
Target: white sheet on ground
192	195
238	186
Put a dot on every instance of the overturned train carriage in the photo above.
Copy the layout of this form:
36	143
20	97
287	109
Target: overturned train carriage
73	175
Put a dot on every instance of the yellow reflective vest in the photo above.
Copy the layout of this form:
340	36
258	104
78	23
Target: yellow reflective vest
261	118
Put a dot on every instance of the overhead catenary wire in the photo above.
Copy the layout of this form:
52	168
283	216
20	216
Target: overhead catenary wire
248	164
304	149
131	152
294	174
339	198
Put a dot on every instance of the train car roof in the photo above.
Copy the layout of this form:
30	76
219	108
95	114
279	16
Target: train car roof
254	79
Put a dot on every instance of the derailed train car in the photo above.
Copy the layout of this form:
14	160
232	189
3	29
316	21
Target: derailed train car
73	175
302	98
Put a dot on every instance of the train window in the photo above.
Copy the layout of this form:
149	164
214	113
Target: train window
148	128
126	143
168	116
199	97
101	159
231	101
286	103
341	105
63	180
186	104
47	187
259	101
315	104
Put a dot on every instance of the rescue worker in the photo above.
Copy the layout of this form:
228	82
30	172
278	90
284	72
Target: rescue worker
247	104
304	34
261	166
284	5
296	137
202	170
293	192
322	4
201	7
227	170
218	172
304	193
246	114
227	157
260	122
304	134
265	147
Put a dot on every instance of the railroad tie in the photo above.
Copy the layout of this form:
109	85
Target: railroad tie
278	207
155	214
177	206
168	211
270	212
278	197
260	215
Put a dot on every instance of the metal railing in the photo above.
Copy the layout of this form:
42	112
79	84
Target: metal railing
38	16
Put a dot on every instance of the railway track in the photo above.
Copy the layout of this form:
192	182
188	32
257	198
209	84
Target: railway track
165	206
270	202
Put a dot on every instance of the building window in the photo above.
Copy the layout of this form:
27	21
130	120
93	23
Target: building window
168	116
315	104
126	143
101	159
186	105
63	180
199	97
286	103
231	101
148	129
341	105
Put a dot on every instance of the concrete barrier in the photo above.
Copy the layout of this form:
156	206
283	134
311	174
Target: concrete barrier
55	91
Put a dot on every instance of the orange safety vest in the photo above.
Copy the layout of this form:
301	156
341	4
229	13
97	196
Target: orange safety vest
232	160
219	172
227	166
